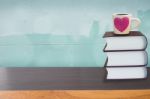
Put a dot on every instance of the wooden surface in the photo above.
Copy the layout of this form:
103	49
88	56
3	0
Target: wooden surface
65	78
41	83
76	94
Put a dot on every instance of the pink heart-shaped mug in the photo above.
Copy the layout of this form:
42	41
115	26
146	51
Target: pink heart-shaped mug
122	23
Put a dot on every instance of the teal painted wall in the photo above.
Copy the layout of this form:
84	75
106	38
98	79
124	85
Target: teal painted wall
45	33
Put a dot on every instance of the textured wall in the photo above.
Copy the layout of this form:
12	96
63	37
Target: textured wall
61	32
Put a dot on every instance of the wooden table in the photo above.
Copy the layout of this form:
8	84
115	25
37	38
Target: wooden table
76	94
68	83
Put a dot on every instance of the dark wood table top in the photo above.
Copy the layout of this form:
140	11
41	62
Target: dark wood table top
64	78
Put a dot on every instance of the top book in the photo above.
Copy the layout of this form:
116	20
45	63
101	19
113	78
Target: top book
134	41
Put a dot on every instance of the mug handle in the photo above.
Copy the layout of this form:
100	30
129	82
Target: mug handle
137	22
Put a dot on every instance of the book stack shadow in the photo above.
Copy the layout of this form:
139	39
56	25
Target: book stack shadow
126	56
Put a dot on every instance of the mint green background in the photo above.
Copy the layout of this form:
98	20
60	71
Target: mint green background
64	33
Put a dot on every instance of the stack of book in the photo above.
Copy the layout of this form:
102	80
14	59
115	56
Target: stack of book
126	56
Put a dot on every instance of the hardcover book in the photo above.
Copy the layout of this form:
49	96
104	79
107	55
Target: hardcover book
134	41
126	73
126	56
